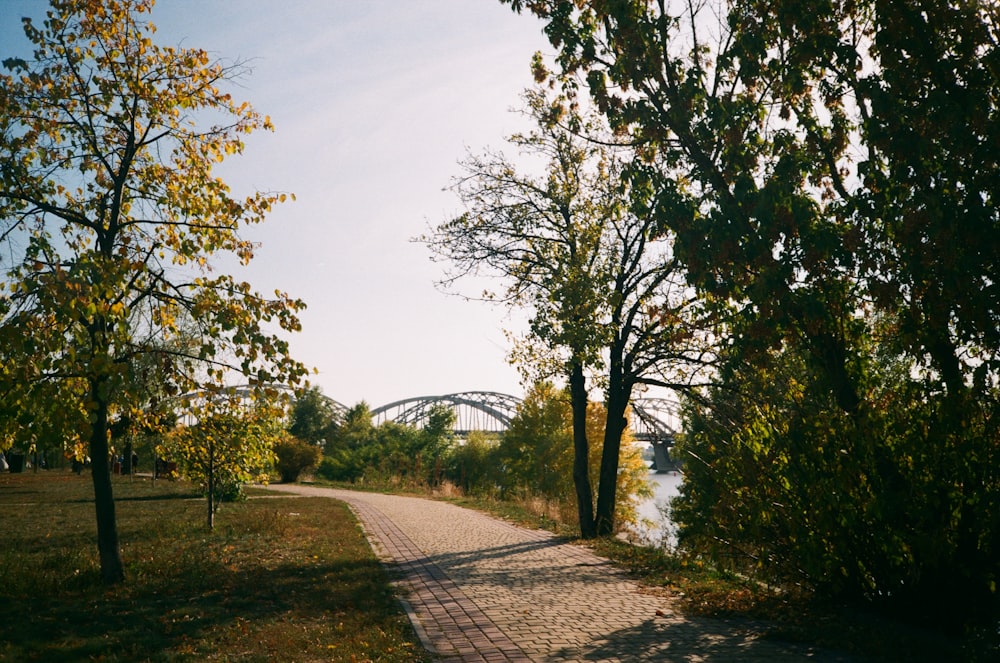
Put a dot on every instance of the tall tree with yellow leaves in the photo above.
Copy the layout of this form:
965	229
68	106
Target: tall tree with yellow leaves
111	212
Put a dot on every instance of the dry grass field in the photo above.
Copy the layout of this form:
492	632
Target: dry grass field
280	578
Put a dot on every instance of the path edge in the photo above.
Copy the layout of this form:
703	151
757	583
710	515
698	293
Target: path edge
397	579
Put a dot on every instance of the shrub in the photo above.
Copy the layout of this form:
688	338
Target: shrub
293	457
473	466
229	491
340	465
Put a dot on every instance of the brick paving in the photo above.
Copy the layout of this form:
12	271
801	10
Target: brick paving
477	588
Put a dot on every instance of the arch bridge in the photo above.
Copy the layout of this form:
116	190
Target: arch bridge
655	421
487	411
245	394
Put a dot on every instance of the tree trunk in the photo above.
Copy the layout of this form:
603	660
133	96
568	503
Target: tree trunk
608	487
112	571
581	452
618	397
127	468
963	593
211	487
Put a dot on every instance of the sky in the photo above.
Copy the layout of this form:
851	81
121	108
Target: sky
374	104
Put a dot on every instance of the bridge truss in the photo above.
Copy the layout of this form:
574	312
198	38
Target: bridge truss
487	411
654	420
244	394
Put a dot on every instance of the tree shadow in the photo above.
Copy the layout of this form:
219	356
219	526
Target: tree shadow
148	621
695	639
668	637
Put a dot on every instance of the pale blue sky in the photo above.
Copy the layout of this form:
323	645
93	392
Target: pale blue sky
374	103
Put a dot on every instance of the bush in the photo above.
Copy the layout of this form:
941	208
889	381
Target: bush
340	465
893	506
473	466
229	491
293	457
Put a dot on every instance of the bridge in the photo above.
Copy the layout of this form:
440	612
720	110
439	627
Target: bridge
655	421
487	411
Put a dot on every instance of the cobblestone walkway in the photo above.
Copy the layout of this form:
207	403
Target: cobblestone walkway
480	589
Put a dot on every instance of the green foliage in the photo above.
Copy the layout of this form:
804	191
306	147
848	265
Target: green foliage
30	422
389	453
230	446
437	435
355	432
340	465
344	454
472	466
536	451
772	482
394	455
827	171
293	456
781	483
313	418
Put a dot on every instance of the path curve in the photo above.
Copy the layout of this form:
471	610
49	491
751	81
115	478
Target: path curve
480	589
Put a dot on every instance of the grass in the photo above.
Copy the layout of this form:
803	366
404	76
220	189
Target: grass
293	579
280	578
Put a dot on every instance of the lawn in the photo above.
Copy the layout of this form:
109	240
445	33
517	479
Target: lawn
280	578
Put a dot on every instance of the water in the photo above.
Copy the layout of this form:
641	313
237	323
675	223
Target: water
665	486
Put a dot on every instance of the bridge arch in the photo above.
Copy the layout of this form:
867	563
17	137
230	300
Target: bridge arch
488	411
656	420
245	393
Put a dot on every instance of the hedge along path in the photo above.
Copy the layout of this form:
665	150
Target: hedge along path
477	588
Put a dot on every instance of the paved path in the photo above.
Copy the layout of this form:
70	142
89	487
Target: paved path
480	589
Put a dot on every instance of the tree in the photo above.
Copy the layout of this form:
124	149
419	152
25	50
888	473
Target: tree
293	456
29	423
435	442
657	332
229	446
831	185
542	235
472	466
535	455
585	251
344	453
313	418
356	430
112	212
536	450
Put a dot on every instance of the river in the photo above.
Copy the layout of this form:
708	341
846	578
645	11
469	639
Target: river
665	486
